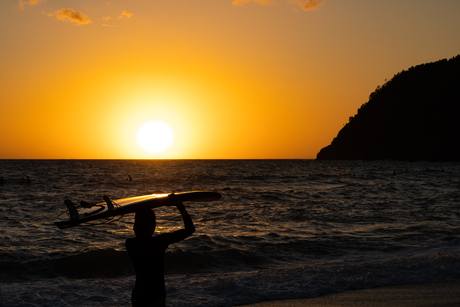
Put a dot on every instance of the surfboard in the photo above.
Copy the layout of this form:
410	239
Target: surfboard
85	212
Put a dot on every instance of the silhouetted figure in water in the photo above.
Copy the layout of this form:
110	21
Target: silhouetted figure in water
129	178
147	254
2	181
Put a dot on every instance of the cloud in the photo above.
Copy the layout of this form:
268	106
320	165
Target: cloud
125	14
106	18
310	4
263	2
304	4
71	16
23	3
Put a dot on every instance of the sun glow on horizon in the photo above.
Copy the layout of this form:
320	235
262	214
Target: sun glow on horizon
246	81
155	136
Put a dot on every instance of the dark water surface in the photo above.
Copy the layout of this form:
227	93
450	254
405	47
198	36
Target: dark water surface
283	229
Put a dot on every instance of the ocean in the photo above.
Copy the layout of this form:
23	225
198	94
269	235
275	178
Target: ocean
283	229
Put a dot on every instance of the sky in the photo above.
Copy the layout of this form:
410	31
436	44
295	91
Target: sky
234	79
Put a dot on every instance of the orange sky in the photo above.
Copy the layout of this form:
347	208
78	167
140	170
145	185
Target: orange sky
234	80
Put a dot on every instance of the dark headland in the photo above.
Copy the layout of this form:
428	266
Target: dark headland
413	117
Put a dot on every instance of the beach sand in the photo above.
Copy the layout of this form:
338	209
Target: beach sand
435	294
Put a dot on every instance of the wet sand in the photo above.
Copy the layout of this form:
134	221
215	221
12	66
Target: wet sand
435	294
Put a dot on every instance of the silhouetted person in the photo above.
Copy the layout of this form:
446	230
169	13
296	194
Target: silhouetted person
129	178
147	254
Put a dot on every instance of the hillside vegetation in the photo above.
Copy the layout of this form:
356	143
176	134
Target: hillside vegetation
414	116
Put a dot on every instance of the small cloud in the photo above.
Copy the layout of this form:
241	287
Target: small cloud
125	14
23	3
107	18
106	25
304	4
307	5
263	2
311	5
71	16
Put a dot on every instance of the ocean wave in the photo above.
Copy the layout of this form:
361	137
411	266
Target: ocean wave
98	263
111	263
227	289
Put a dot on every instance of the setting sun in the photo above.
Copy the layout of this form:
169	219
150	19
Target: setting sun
155	136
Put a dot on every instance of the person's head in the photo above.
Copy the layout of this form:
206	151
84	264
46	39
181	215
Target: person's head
144	223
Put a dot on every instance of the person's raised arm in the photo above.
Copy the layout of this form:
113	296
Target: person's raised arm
188	223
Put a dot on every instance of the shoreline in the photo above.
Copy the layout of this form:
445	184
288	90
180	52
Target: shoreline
426	295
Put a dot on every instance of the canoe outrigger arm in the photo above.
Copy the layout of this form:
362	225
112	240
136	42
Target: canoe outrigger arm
109	203
72	210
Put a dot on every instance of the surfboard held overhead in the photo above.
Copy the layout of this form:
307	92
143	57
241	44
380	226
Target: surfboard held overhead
111	208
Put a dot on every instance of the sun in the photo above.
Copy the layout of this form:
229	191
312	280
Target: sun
155	136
